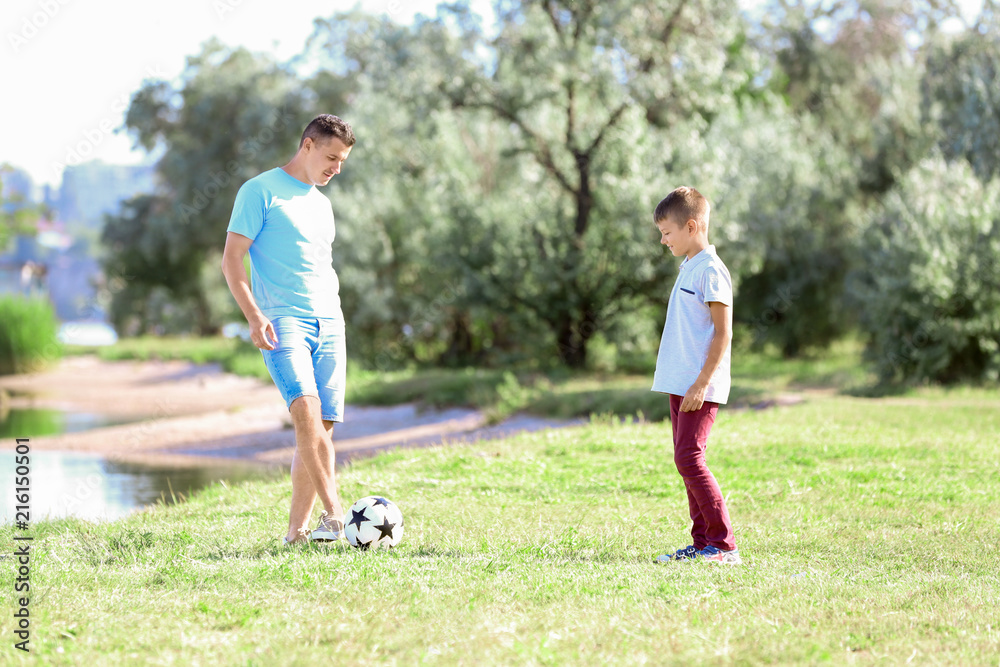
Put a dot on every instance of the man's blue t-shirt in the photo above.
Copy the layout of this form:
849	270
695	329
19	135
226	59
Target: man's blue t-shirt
292	229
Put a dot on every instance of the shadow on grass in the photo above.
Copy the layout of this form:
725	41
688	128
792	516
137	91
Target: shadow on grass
879	390
565	549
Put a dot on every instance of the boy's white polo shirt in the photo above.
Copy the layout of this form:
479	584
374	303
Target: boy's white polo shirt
689	329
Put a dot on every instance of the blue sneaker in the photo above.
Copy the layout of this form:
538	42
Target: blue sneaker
714	555
681	554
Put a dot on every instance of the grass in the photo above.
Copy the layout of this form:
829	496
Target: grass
232	354
868	528
758	378
28	340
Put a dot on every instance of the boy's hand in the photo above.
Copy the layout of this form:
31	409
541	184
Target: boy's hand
694	398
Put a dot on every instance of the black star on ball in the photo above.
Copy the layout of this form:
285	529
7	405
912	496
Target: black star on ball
364	545
385	528
379	500
357	518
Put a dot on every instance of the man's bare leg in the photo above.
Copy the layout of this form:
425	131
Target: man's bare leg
303	499
313	466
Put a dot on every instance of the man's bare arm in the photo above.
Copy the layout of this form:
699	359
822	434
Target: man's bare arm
261	330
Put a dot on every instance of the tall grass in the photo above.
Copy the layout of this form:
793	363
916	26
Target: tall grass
28	329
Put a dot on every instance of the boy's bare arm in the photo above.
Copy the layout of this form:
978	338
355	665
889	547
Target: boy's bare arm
722	318
261	330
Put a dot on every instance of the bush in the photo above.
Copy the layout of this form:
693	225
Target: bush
929	295
27	335
782	194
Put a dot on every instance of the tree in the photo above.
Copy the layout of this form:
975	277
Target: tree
961	96
847	79
142	258
929	290
235	115
782	220
855	67
401	303
576	99
18	215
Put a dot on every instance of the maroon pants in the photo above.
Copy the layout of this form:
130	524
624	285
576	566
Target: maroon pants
709	516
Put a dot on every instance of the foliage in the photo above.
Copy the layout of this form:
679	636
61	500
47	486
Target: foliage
401	296
533	184
28	329
142	257
496	209
759	378
17	214
961	95
855	68
849	78
781	219
929	291
589	133
234	115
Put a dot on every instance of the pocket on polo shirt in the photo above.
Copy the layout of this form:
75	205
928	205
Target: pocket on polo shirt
684	289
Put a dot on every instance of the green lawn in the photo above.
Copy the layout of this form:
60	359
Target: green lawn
224	351
758	377
869	530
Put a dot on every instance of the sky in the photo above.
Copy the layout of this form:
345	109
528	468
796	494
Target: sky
69	67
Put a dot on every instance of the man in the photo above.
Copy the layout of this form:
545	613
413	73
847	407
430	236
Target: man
293	308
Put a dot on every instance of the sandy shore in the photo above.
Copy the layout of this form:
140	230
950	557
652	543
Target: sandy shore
180	413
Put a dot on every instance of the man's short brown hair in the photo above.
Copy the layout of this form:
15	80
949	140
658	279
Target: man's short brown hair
683	204
327	126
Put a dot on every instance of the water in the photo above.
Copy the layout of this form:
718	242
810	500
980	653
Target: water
36	422
92	487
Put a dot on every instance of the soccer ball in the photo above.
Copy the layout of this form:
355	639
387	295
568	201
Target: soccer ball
375	522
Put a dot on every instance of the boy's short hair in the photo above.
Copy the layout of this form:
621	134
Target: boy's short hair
327	126
683	204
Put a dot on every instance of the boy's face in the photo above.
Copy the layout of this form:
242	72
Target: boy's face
676	235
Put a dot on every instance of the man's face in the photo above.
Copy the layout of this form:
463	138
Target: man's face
324	159
675	236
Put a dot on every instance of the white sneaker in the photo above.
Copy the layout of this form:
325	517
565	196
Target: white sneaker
328	530
713	555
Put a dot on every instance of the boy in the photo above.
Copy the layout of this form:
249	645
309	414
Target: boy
693	367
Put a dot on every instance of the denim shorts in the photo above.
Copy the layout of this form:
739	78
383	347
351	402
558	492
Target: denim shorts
310	359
